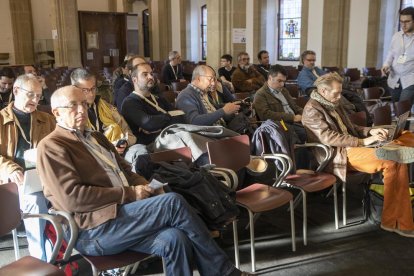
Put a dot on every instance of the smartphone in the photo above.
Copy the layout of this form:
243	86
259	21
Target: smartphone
155	184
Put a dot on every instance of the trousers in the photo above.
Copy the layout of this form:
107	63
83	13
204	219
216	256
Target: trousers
164	225
397	209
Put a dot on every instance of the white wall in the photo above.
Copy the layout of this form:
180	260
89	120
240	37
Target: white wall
271	30
358	34
93	5
175	26
195	54
6	41
315	28
249	28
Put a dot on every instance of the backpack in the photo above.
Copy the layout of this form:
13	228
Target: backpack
212	200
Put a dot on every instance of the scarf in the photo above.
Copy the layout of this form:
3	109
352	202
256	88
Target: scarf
320	99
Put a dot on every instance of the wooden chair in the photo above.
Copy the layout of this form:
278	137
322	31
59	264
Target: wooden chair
330	69
179	86
234	153
375	94
308	183
402	107
301	101
241	95
353	73
10	218
293	90
382	116
359	118
180	154
170	96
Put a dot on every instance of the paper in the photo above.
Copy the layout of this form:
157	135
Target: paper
89	55
239	35
155	184
176	113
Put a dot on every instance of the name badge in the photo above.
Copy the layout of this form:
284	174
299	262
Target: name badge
401	59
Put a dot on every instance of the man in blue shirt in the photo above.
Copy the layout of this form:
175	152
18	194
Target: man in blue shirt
309	72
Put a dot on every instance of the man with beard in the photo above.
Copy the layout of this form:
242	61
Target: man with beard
326	122
264	65
7	78
145	113
399	64
195	103
246	78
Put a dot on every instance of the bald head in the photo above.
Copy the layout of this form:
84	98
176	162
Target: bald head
60	97
204	77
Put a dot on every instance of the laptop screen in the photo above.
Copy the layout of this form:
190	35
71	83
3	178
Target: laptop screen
401	121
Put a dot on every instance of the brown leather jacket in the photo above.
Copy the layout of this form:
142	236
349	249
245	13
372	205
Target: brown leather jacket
75	182
247	81
268	106
42	125
321	127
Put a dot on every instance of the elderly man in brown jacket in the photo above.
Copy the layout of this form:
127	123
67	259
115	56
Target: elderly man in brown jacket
246	78
21	128
326	122
114	208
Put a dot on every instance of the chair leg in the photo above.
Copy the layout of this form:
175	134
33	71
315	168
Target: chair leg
336	207
236	244
292	225
95	271
164	266
343	203
16	244
305	218
127	270
252	252
135	267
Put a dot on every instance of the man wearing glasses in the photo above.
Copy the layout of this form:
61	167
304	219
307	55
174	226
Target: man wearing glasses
309	73
246	78
195	103
172	71
399	64
102	116
22	128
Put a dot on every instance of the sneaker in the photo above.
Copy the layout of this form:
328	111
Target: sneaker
404	233
396	153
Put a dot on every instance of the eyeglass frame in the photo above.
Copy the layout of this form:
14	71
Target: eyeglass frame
210	78
31	94
87	90
75	106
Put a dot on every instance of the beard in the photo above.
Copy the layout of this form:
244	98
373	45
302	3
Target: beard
246	67
147	86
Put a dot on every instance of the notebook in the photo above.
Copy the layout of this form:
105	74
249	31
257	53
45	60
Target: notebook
31	182
393	133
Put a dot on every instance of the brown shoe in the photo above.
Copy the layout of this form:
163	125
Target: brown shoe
404	233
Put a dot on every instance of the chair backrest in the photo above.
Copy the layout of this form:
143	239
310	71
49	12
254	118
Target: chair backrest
402	107
232	153
353	73
293	90
301	101
10	215
241	95
382	115
178	86
180	154
359	118
170	96
371	93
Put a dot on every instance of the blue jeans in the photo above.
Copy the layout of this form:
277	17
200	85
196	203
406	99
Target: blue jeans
36	203
164	225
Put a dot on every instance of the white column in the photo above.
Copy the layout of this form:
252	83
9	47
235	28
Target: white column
154	28
175	26
358	33
315	27
249	29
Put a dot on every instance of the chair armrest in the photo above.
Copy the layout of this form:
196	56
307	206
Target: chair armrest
73	231
230	177
59	232
372	101
328	153
287	165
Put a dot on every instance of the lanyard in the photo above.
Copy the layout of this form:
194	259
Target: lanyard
22	131
153	104
10	97
109	162
97	118
175	74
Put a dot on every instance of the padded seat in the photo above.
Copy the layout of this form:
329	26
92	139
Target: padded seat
311	182
122	259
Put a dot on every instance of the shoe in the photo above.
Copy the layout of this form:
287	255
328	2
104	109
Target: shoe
404	233
244	273
396	153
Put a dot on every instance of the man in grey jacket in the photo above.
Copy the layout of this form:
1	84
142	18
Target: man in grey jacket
194	101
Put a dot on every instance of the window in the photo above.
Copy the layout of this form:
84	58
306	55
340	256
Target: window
289	29
406	3
204	32
145	28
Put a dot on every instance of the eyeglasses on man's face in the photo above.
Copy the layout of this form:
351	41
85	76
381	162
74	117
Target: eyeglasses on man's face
245	59
75	105
87	90
210	78
31	94
402	22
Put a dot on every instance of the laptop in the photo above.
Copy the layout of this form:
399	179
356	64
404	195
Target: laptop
393	133
31	182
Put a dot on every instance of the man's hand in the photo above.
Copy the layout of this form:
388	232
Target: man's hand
380	131
121	148
231	108
297	118
385	70
372	139
17	177
143	191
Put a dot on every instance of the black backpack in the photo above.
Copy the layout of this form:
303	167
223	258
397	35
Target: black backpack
212	200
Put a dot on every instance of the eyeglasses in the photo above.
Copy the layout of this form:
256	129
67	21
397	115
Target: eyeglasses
311	60
31	94
405	22
245	59
87	90
75	106
210	78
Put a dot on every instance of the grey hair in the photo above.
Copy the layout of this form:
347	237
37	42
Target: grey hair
59	97
199	71
80	74
172	54
24	79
